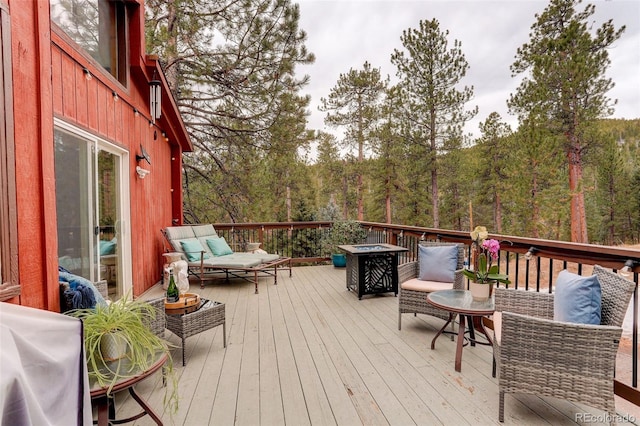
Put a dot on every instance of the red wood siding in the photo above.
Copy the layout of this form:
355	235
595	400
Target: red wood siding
49	80
32	95
151	199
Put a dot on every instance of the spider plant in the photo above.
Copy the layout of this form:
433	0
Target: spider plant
129	320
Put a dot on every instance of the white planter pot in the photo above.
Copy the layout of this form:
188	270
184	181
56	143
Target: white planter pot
113	346
480	292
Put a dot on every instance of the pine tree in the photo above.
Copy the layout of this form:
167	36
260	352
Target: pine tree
330	170
565	87
494	151
535	172
431	74
354	103
388	149
231	68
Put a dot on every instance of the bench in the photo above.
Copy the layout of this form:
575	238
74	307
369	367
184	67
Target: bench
202	262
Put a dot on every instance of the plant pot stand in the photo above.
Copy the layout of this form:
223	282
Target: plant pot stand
188	323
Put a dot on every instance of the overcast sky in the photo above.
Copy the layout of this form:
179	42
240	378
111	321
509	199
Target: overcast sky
343	34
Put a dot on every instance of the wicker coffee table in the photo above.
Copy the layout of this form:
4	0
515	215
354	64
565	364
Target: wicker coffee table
188	323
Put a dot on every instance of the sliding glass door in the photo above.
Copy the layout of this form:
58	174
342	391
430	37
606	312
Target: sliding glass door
92	208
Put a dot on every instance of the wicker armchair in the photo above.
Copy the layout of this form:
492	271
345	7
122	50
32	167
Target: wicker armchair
414	301
540	356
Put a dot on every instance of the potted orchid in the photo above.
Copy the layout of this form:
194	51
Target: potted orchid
484	252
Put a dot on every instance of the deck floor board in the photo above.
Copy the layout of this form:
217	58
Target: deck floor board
308	352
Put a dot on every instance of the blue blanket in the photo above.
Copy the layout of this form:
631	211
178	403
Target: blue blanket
81	294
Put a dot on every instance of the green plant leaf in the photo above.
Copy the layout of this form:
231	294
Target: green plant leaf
131	319
469	274
503	278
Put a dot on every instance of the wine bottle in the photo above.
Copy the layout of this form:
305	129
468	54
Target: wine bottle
173	295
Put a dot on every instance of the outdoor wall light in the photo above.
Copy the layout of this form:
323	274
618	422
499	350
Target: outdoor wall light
142	173
87	73
155	97
144	155
530	253
115	96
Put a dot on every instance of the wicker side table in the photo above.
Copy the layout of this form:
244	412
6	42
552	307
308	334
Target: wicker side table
208	315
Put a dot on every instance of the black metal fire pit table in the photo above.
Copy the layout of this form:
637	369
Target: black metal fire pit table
372	268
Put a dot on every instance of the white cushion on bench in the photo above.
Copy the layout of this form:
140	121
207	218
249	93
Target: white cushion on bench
232	261
264	257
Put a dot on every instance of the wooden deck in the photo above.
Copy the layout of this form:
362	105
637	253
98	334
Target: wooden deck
308	352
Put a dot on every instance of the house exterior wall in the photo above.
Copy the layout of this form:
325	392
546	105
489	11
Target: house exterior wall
50	81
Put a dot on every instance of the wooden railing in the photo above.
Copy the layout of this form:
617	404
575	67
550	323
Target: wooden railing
302	242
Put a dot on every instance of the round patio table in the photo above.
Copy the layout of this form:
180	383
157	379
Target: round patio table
461	302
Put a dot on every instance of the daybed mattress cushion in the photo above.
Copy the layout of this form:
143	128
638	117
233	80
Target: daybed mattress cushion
264	257
239	260
233	261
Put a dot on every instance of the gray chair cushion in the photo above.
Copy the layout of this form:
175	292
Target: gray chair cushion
204	230
437	263
179	232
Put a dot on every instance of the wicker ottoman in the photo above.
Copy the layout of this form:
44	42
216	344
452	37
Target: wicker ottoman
208	315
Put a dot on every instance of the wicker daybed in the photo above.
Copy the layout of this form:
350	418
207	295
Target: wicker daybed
203	262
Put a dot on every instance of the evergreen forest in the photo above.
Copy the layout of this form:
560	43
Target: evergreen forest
568	172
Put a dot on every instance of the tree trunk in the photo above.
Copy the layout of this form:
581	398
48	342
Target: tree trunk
360	162
498	213
171	73
434	197
360	198
387	202
434	173
288	203
611	196
578	215
535	208
345	205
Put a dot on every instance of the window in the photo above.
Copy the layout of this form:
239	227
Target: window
9	286
99	27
